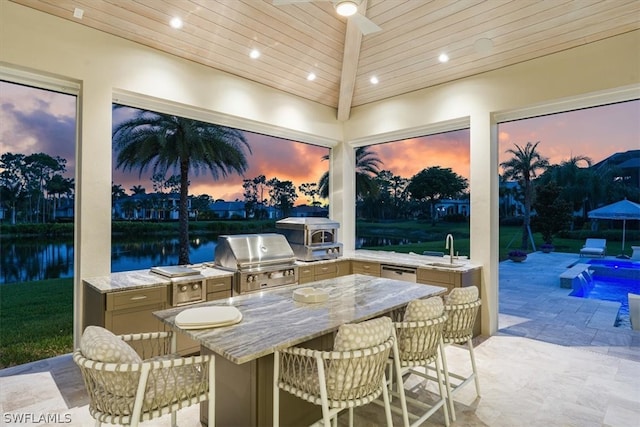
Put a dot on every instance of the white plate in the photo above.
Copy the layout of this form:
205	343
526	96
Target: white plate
208	317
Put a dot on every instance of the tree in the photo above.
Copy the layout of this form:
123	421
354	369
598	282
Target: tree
40	167
137	189
161	142
553	214
59	186
523	168
254	190
367	167
200	205
574	181
310	189
283	195
12	181
435	183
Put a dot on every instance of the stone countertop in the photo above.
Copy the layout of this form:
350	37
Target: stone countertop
403	260
135	279
273	320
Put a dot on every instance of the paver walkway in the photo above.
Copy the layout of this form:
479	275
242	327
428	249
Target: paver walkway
533	305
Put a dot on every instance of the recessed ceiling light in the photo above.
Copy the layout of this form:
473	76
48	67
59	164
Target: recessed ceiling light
255	54
374	80
176	23
443	57
346	7
78	13
311	77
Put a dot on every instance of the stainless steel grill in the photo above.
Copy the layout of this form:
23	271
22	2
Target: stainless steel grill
259	261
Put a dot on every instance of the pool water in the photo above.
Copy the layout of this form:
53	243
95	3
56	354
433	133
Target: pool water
613	289
616	268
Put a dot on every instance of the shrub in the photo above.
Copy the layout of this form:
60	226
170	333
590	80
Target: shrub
517	253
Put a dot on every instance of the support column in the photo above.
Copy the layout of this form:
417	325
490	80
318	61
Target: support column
93	192
342	197
484	213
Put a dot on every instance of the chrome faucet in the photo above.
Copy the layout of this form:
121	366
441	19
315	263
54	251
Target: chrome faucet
450	247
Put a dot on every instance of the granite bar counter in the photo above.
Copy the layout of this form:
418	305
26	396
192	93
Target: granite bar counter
272	320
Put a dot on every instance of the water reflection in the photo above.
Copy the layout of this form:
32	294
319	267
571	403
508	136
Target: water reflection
149	252
31	259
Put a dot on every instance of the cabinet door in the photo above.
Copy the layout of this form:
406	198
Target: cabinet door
365	267
130	312
326	270
305	274
436	277
343	268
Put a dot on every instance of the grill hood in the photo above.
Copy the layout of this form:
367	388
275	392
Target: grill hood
240	252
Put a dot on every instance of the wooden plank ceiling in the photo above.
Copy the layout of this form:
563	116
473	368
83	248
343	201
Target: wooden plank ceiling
304	36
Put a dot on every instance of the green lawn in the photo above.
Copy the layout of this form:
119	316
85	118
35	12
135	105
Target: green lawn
36	320
510	236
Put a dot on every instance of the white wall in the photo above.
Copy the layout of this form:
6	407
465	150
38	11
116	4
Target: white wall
108	68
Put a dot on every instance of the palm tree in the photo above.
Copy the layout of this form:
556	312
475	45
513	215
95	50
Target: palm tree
523	167
137	189
162	142
367	167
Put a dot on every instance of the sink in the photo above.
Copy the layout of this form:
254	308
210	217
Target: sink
445	264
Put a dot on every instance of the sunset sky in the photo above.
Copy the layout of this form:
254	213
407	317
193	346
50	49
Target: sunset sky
34	120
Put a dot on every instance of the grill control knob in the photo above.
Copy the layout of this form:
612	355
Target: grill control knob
195	286
183	288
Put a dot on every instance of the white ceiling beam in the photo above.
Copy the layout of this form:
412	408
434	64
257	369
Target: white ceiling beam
350	59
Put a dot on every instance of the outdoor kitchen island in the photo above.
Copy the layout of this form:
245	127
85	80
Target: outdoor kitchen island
273	320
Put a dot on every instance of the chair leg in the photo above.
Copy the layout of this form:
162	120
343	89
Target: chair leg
441	388
399	382
447	381
98	423
174	419
211	415
335	419
326	416
473	366
387	404
276	389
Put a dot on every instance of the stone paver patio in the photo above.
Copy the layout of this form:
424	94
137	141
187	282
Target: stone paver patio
533	305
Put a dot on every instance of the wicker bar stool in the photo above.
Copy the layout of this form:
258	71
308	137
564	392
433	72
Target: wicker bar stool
419	343
126	388
351	375
461	307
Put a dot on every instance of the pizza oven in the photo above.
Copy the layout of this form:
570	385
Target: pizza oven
311	238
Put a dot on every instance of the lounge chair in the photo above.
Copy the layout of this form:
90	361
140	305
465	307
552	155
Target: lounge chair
594	247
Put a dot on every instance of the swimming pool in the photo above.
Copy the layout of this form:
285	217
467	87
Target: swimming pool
612	280
616	268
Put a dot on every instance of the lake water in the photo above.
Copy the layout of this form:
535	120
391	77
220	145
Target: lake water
31	259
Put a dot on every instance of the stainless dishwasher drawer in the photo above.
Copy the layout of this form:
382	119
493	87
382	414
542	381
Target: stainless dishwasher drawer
407	274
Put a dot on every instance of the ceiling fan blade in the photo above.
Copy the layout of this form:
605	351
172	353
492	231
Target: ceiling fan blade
365	25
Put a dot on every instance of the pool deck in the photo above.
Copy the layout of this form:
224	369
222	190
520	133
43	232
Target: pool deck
533	305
